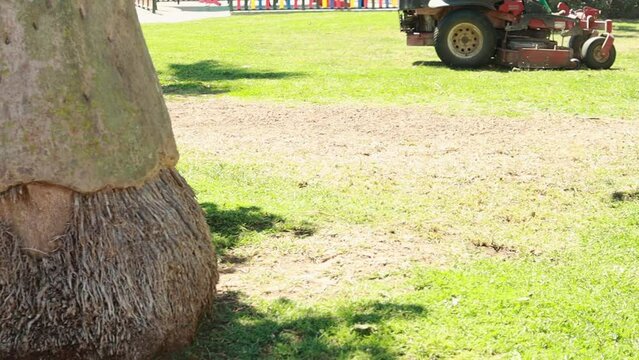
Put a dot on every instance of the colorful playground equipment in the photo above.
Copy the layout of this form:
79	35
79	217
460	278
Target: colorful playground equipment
248	5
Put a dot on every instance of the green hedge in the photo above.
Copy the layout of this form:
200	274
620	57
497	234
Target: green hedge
626	9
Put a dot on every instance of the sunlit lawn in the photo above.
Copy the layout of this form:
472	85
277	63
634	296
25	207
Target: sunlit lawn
579	301
362	57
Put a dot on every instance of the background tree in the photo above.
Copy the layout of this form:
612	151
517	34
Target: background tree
104	251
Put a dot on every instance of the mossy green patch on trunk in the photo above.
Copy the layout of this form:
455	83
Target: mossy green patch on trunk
78	73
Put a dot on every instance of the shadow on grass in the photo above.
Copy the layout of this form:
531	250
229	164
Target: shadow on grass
439	64
430	63
626	28
228	226
195	78
238	330
194	88
625	196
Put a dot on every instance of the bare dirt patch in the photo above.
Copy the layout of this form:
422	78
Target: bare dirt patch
546	160
401	140
331	260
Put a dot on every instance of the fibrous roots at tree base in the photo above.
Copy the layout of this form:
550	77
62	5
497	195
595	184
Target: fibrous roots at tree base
132	275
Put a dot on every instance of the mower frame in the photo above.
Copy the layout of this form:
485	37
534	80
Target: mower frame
524	33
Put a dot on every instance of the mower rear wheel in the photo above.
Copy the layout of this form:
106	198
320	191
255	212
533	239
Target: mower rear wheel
576	43
593	58
465	39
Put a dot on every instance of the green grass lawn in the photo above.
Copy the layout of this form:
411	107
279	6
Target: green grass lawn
578	301
362	57
570	292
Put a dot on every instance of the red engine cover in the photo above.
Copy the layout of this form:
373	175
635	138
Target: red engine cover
515	7
590	11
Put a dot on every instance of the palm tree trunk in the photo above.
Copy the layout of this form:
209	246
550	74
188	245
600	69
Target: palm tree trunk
81	104
104	251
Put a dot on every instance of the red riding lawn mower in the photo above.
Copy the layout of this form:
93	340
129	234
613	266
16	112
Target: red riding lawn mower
514	33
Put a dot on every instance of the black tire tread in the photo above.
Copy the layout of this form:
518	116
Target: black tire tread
588	58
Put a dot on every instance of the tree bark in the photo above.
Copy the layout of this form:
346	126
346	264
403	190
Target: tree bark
80	103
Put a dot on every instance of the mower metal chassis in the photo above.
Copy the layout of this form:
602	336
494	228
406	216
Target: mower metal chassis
583	24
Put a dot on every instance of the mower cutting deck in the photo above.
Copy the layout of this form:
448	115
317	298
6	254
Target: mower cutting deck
515	33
